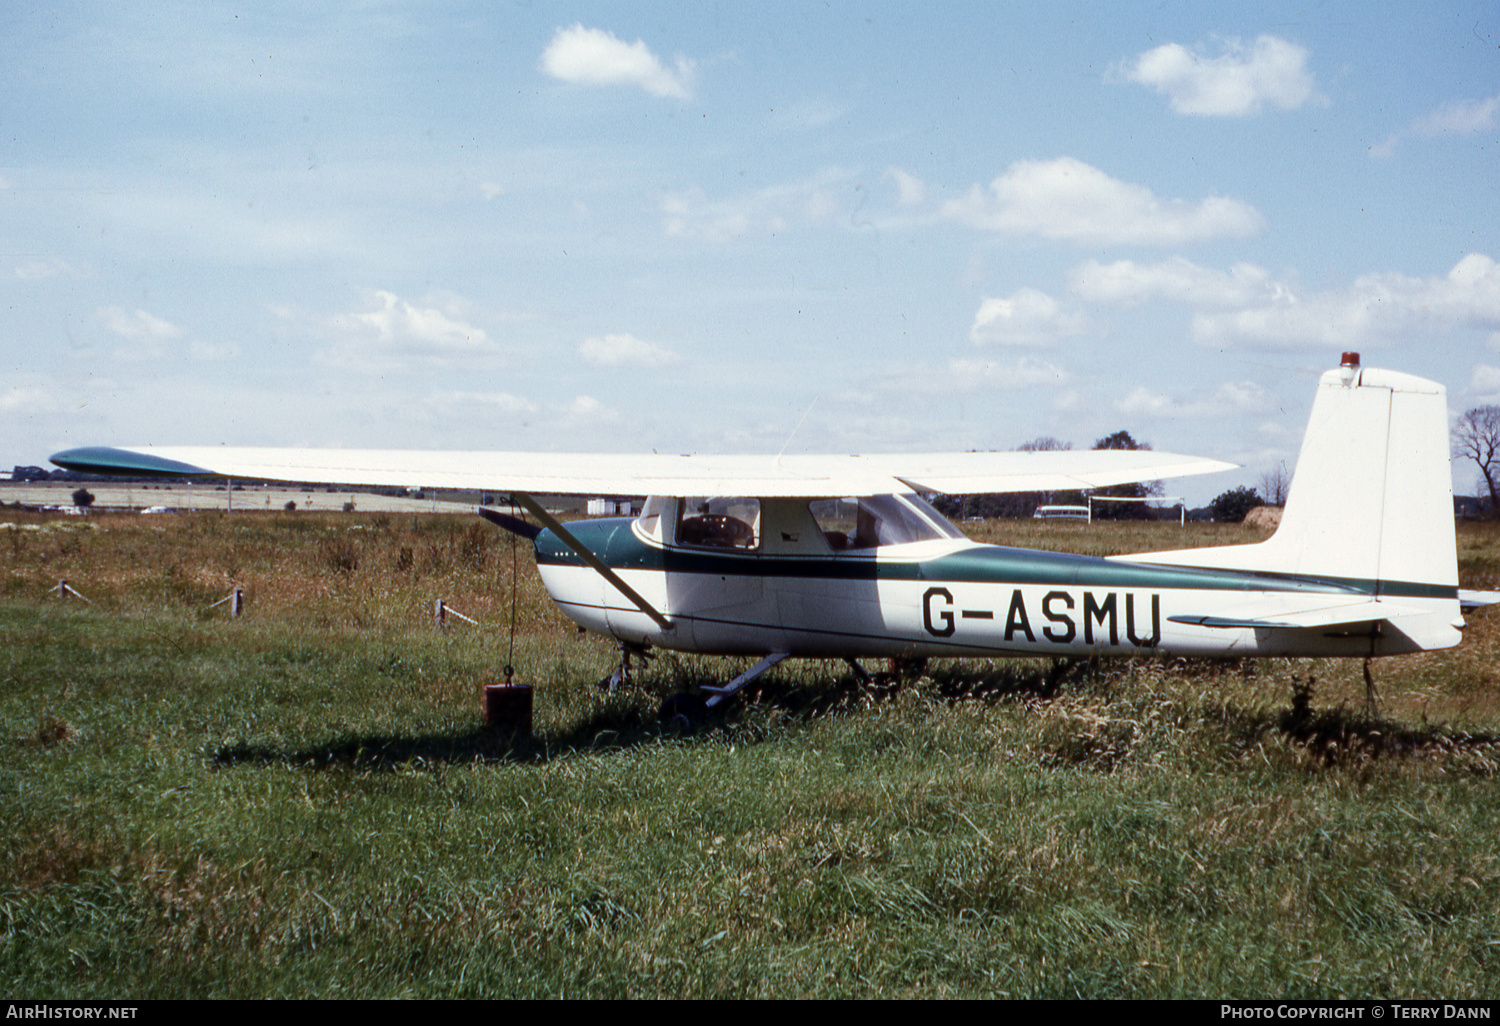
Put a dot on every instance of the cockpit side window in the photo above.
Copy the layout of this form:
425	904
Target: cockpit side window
719	522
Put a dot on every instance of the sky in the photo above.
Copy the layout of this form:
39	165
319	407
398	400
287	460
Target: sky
698	227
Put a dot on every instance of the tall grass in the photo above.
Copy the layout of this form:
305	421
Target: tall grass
303	802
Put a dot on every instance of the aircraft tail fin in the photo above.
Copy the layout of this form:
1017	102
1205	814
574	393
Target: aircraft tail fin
1371	501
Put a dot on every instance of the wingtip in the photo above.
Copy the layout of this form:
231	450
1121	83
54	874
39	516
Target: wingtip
104	459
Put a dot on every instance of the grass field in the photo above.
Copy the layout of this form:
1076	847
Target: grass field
302	802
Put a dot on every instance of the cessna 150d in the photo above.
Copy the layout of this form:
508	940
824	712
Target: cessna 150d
839	556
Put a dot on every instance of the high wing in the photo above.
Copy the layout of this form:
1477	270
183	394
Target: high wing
633	474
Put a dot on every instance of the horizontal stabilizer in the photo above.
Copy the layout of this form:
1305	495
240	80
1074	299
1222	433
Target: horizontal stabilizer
1468	601
1328	616
1228	622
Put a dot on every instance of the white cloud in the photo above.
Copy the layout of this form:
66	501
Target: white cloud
777	208
1228	399
803	115
491	402
27	399
1027	317
912	190
594	57
137	325
1460	118
146	334
1247	306
586	406
690	215
1379	309
425	327
1239	82
1126	282
622	351
1027	372
965	375
582	410
396	332
1143	402
1484	385
209	351
40	268
1457	118
1070	200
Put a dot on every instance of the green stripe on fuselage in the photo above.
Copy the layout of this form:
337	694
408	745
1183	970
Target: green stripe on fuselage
615	542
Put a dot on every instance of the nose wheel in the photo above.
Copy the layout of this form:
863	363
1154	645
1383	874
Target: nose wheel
621	677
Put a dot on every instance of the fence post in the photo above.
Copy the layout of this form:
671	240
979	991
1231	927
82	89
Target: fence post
439	614
64	589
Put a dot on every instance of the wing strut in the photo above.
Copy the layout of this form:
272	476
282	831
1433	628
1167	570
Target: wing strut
583	553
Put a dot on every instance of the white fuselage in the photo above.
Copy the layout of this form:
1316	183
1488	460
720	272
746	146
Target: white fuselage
952	597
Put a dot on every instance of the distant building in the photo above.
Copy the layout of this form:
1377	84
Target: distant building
611	507
1470	506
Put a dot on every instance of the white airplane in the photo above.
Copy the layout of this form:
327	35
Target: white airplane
840	557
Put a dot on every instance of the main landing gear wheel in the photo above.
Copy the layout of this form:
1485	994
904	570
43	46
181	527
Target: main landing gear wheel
687	710
684	711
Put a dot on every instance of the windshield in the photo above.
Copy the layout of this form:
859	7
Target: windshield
871	521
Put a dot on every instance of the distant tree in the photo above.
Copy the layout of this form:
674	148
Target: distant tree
1024	504
1476	436
1231	506
83	498
1137	490
1008	504
1044	444
1274	484
291	506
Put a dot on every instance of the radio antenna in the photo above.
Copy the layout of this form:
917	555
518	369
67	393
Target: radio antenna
797	428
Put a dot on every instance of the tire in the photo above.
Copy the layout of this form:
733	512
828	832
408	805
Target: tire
684	711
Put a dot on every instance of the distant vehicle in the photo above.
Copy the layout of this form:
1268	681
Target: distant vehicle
1061	513
158	509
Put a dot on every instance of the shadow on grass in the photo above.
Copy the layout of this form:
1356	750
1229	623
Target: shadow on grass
1334	737
605	730
957	682
613	727
1342	736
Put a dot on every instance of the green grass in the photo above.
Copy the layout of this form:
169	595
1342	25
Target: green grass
303	802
